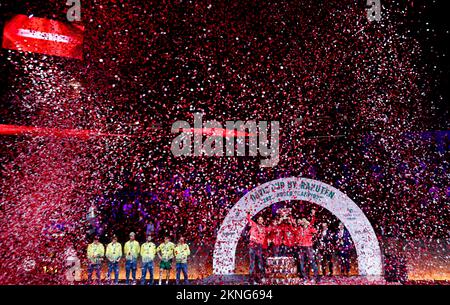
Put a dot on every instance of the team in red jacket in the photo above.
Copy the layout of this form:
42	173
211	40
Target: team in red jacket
287	238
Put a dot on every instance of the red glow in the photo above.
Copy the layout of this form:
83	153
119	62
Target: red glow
10	130
84	134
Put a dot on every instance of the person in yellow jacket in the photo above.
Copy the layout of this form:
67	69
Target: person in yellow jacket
113	254
165	254
131	251
181	253
95	253
148	252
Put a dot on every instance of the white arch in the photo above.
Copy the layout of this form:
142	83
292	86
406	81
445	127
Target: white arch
295	188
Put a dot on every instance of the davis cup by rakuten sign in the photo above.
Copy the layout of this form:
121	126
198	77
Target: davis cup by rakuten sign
291	189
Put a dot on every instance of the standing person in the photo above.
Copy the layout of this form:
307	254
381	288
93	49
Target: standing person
113	254
282	233
325	245
181	253
165	254
305	237
344	246
95	253
274	232
289	235
290	239
148	252
258	242
131	250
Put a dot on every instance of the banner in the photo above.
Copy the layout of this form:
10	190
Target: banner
45	36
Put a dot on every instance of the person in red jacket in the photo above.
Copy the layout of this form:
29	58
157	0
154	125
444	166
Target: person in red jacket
288	233
258	242
275	237
282	233
305	235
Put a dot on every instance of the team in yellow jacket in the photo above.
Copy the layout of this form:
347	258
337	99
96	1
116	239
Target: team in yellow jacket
132	251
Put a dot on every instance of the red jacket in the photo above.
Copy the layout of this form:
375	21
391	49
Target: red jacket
305	236
258	233
275	235
288	234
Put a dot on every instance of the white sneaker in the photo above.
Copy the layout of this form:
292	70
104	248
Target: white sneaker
167	282
159	283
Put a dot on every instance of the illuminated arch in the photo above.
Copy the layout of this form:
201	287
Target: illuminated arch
295	188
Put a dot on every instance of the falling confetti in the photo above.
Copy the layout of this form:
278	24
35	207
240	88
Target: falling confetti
85	142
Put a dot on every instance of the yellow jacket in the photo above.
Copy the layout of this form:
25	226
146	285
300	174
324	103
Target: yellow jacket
114	252
148	252
181	253
166	250
131	250
95	252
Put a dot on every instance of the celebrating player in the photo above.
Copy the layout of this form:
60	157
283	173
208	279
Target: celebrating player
305	235
258	242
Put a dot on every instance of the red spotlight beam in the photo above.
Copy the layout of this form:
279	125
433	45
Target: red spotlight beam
15	130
